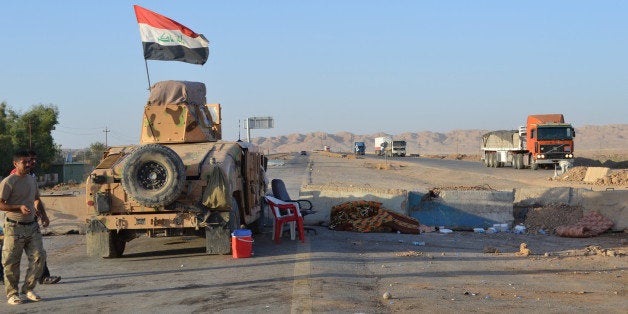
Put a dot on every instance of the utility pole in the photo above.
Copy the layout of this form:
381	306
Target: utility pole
106	131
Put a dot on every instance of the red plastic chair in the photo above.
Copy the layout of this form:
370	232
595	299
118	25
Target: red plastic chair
285	212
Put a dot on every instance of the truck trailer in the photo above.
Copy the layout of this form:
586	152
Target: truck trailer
545	140
386	145
379	144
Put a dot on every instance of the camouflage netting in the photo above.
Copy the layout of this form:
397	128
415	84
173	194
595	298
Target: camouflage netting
369	216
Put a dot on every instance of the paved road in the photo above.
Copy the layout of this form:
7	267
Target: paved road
469	166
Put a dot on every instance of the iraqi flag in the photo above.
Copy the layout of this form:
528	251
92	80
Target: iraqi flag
167	40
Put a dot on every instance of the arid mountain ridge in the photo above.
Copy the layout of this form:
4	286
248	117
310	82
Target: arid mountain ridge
590	138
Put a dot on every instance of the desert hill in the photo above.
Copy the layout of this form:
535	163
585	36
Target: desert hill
589	139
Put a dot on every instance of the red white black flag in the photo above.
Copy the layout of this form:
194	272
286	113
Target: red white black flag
167	40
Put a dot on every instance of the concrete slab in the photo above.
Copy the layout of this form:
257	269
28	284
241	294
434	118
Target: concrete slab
67	212
595	173
463	210
545	196
611	204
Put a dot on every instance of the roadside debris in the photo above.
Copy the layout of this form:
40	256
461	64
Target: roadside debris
523	250
598	250
370	216
579	174
590	225
409	253
387	295
550	216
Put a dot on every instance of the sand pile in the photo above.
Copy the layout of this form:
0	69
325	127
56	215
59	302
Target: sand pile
577	174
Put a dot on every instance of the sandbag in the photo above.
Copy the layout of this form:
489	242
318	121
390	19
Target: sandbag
590	225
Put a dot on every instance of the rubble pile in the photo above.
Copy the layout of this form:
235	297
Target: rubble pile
617	177
578	174
574	174
548	217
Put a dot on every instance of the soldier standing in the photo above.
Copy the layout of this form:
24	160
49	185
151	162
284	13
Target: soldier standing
18	193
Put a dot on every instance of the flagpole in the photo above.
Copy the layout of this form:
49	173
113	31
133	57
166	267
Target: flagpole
147	75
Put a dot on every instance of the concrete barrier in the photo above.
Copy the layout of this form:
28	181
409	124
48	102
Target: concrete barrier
611	204
525	197
462	210
67	212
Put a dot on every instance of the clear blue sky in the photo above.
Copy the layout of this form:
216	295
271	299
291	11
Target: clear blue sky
358	66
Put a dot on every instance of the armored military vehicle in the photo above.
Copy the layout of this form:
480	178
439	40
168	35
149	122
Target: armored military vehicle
181	180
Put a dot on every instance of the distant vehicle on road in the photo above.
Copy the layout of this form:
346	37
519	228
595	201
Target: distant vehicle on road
304	153
359	148
545	140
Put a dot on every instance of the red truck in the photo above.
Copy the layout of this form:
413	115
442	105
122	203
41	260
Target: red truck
545	140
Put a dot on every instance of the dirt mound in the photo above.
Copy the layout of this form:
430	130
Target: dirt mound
574	174
577	174
547	218
617	177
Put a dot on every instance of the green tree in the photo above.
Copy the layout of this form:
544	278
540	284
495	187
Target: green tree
94	154
30	130
6	141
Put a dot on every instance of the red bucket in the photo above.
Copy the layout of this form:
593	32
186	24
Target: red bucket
241	243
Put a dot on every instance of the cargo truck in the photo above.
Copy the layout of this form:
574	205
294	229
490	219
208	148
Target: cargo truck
398	149
359	148
391	148
545	140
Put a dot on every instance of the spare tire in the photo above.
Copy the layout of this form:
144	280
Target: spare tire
153	175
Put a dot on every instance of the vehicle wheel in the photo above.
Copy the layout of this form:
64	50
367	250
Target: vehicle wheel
534	165
153	175
519	161
218	237
102	242
117	243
